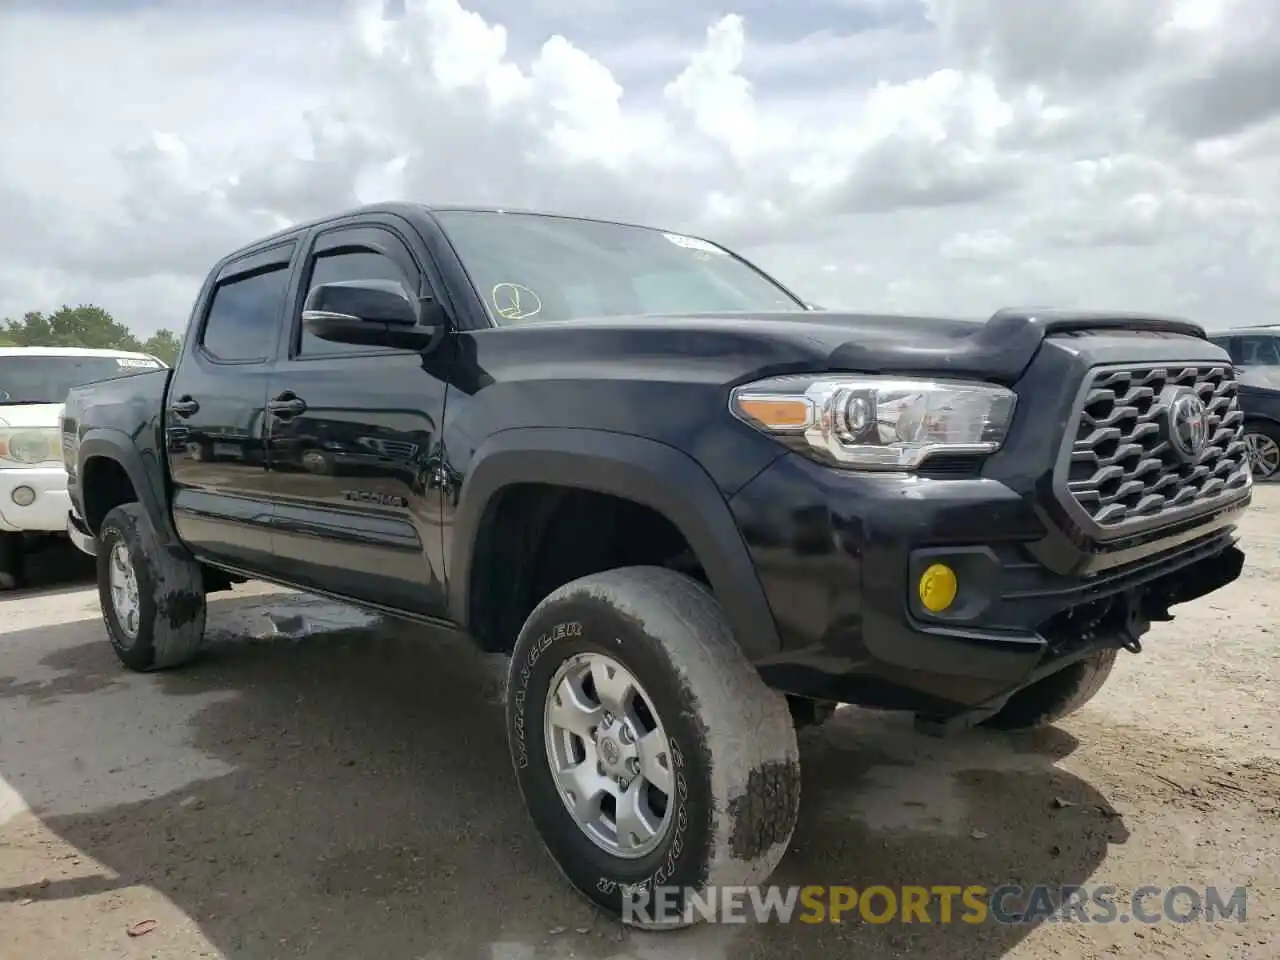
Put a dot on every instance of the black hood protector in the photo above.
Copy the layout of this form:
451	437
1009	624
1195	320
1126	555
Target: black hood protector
999	349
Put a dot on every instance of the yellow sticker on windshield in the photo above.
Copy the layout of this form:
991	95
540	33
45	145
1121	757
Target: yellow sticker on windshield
515	302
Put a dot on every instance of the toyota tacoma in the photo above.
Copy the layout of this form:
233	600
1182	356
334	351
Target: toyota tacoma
694	511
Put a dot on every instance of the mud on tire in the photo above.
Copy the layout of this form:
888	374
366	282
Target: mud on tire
734	766
1056	696
170	594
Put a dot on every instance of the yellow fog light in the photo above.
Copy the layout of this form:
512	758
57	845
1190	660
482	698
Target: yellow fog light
938	586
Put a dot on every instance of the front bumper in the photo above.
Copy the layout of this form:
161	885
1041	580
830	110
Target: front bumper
839	556
47	488
78	533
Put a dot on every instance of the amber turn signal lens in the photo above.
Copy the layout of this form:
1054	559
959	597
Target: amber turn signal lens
776	413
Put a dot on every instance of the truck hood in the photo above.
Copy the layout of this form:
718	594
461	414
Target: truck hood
1267	378
31	415
998	349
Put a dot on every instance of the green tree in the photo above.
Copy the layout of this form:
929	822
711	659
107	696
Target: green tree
163	344
84	326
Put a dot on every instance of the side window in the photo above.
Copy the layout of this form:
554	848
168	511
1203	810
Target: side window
1258	351
347	263
245	315
1269	352
1229	344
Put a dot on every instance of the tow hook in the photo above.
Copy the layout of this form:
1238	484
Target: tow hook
1136	624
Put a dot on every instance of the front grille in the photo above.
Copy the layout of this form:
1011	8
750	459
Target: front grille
1125	469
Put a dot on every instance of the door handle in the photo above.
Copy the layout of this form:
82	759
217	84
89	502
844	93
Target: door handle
184	407
287	405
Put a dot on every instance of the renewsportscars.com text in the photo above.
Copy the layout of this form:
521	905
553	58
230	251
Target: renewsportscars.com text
939	904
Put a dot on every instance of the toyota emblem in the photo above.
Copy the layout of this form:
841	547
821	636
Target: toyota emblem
1188	424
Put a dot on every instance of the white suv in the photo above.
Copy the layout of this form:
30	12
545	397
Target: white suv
33	483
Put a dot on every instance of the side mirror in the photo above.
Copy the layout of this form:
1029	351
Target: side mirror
374	313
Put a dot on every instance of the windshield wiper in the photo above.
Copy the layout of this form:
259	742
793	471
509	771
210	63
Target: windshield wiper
25	403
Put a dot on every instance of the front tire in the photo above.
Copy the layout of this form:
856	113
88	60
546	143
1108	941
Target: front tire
649	752
153	603
13	549
1263	442
1057	695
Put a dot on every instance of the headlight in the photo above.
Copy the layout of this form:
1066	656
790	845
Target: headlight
30	445
875	422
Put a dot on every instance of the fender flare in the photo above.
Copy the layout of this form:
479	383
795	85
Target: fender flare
647	472
148	483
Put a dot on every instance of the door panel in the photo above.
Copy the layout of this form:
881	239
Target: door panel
350	433
215	424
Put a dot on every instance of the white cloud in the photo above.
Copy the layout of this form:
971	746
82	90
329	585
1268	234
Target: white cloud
918	155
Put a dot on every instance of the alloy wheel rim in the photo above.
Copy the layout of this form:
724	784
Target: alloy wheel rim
1264	454
609	754
123	582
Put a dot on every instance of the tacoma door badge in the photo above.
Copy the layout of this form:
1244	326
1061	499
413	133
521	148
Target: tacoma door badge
372	496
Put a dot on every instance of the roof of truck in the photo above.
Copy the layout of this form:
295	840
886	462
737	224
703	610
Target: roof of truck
1245	331
409	210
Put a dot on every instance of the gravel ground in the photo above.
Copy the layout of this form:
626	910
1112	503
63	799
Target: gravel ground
326	784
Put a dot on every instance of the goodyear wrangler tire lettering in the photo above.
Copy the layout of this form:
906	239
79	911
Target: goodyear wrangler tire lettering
666	632
559	632
668	868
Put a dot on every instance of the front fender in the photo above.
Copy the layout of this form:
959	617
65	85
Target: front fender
647	472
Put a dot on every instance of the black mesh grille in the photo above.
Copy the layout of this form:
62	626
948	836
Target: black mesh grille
1123	467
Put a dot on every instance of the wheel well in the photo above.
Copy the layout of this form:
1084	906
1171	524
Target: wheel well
536	537
104	485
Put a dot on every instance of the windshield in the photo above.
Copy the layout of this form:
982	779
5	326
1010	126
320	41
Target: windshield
33	378
533	267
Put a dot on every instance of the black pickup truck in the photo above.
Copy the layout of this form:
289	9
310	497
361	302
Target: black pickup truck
694	511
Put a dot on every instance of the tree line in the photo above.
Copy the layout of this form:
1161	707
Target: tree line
85	326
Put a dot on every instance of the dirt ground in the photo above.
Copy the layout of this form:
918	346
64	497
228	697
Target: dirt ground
325	784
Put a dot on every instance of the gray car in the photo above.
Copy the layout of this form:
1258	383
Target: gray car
1255	352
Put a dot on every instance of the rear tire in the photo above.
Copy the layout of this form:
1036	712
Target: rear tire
718	787
153	603
1057	695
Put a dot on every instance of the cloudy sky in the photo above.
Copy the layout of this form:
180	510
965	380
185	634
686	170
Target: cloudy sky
949	156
